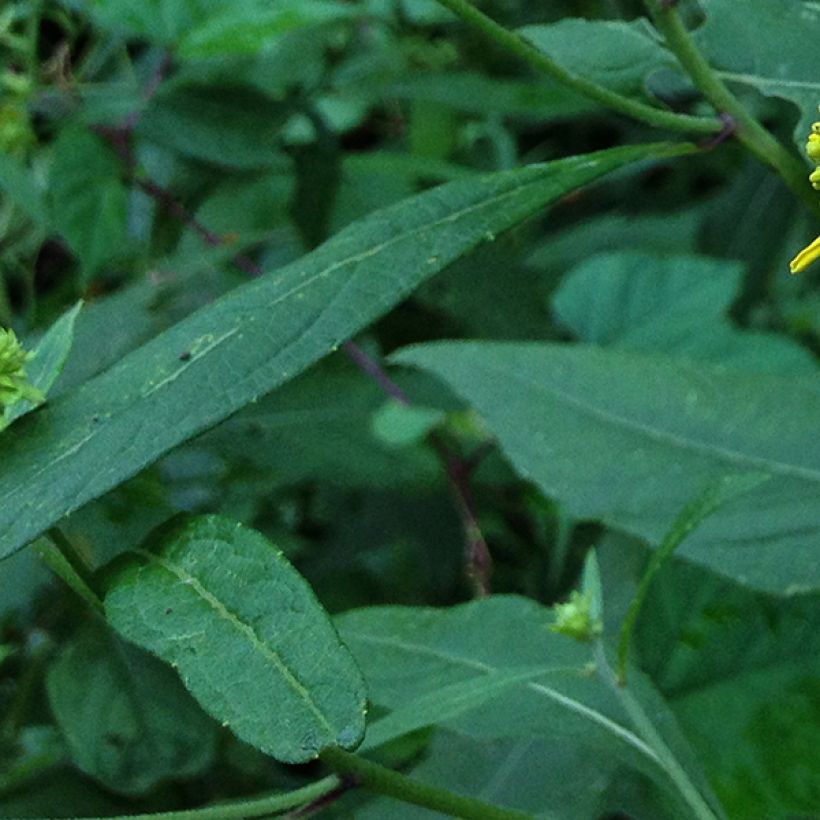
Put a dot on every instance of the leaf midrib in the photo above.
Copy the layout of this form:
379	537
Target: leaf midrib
193	583
747	461
567	702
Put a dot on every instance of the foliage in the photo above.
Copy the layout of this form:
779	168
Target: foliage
407	410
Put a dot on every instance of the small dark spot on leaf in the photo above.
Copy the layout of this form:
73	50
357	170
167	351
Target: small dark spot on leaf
115	740
185	356
169	610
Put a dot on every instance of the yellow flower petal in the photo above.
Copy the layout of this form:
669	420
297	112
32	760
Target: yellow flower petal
805	257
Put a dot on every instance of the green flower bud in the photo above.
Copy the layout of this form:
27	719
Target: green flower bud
574	618
14	385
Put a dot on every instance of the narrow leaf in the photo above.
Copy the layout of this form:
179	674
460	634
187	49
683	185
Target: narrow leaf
260	335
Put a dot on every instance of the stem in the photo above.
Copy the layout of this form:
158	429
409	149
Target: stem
381	780
242	809
688	791
752	135
32	41
478	562
690	517
522	48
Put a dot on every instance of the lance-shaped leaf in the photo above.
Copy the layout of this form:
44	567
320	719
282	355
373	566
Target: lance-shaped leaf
252	644
260	335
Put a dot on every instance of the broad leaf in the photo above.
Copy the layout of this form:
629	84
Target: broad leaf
670	304
631	438
616	54
259	336
770	47
251	642
125	718
736	664
550	781
409	655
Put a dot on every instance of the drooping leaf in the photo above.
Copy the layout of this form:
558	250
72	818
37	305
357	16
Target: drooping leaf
126	719
630	438
251	642
259	336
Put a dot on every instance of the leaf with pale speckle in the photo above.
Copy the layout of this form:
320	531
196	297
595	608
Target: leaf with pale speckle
246	633
244	345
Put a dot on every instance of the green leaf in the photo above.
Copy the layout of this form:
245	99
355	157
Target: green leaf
230	125
770	47
159	20
615	54
399	425
670	304
249	30
251	642
50	357
482	659
630	439
737	664
299	435
88	199
260	335
17	182
125	717
446	703
481	94
551	782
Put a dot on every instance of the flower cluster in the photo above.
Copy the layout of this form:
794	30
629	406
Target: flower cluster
14	385
574	618
812	252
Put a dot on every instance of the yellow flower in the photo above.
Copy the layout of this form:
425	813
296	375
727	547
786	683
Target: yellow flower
812	252
805	257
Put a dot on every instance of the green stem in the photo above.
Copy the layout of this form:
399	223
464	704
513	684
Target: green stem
243	809
381	780
522	48
642	723
752	135
32	40
690	517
